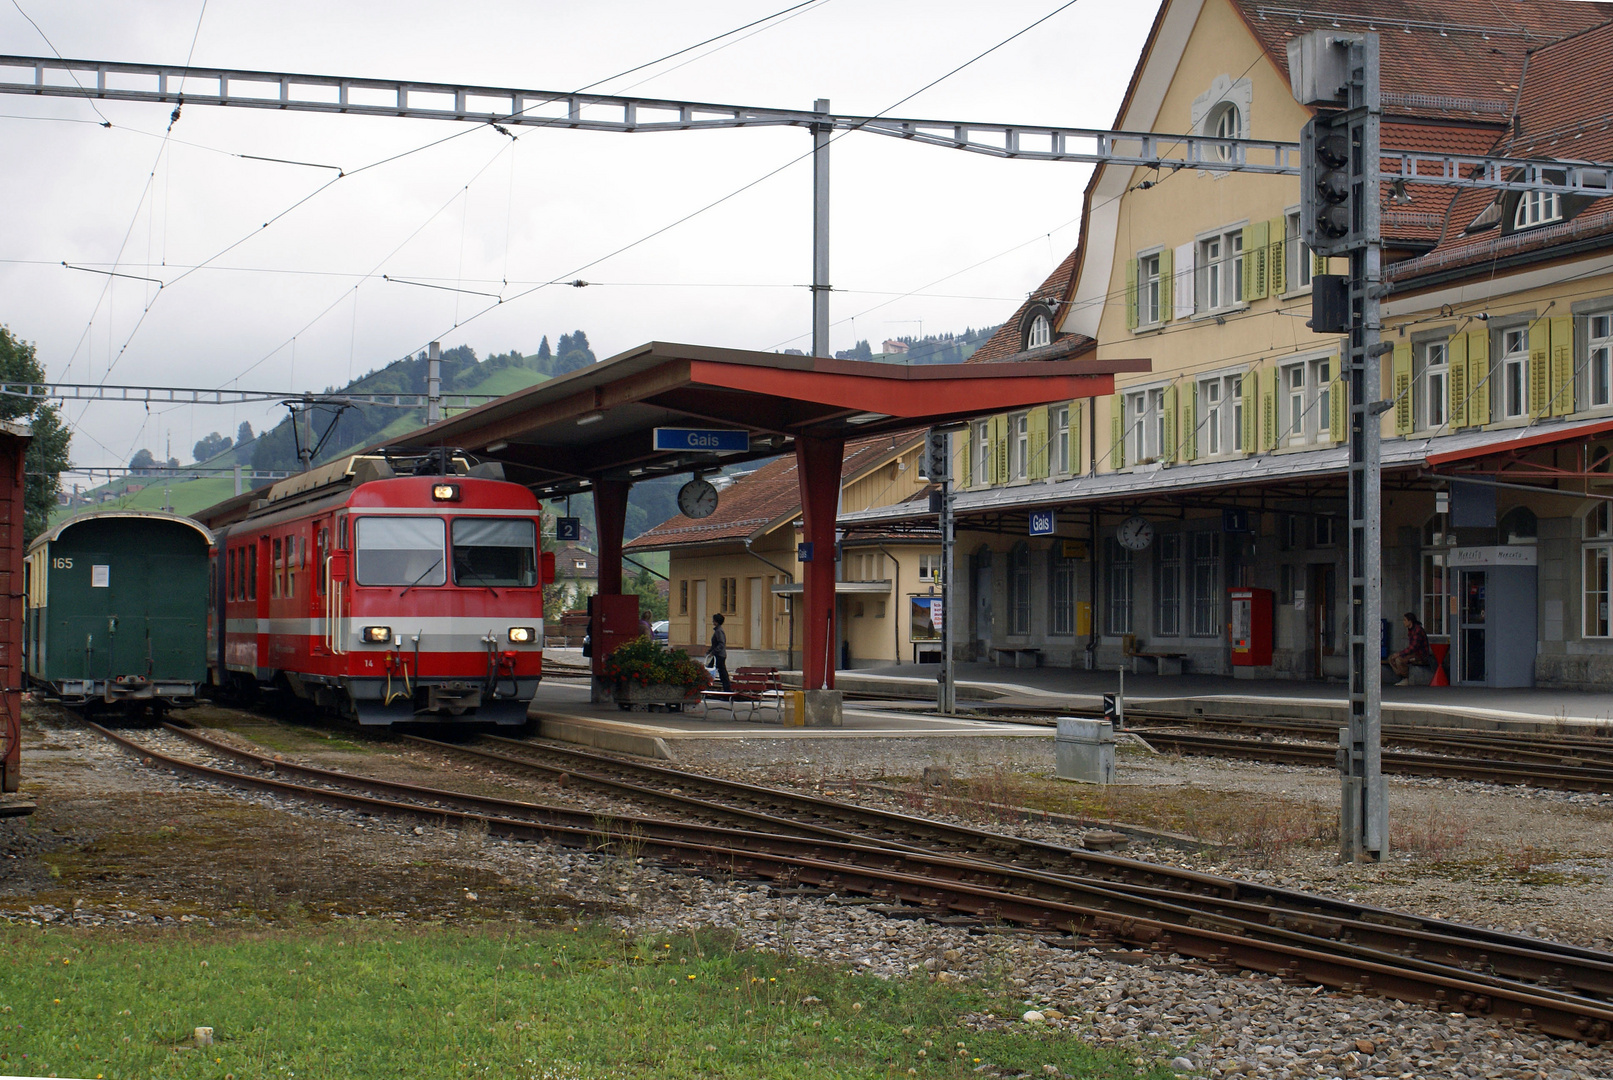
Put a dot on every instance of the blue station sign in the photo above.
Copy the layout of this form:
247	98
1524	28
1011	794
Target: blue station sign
704	439
1042	523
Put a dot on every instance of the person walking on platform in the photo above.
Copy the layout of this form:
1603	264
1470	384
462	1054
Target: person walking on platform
719	651
1415	652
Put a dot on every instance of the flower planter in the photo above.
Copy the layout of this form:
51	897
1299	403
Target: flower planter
629	694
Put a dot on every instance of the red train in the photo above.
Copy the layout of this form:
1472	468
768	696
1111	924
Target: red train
388	589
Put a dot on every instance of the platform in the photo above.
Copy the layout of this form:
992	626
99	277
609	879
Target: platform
1528	709
561	711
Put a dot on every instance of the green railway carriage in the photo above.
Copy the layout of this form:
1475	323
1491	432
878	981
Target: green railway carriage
117	609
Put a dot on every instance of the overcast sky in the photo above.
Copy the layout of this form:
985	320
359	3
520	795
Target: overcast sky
302	304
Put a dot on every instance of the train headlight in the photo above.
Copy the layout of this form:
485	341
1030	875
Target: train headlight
445	492
523	635
376	635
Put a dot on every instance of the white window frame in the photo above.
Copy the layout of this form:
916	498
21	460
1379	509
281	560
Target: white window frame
1019	445
1168	584
1218	255
1220	422
1204	569
1537	208
1298	263
929	567
982	453
1064	574
1040	333
1120	588
1514	372
1228	121
1059	420
1145	423
1149	312
1304	410
1431	404
1599	359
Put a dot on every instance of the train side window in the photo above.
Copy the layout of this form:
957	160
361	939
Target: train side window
229	574
341	534
321	547
252	572
275	566
293	560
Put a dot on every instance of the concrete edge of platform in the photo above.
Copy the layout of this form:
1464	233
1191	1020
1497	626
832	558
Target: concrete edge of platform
600	736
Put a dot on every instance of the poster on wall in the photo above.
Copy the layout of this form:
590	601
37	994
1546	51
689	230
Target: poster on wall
924	618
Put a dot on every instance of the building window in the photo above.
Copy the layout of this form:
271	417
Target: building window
1061	613
1519	526
1039	330
1598	552
1285	584
1121	591
1168	585
1220	271
1148	289
1297	258
683	597
1019	589
929	567
1537	208
1146	412
1436	589
1599	359
1514	372
1228	125
1324	531
1206	573
982	452
1433	383
1305	408
1220	415
1019	445
1061	439
1294	408
729	596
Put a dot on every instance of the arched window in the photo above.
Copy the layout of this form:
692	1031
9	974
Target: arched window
1019	589
1519	526
1036	329
1061	597
1537	208
1226	123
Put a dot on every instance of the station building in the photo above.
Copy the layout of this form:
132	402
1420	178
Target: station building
742	560
1223	467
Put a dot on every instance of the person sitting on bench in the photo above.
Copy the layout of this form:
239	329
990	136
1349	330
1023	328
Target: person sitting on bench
1416	651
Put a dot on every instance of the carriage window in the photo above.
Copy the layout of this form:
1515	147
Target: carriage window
321	547
399	551
495	552
276	566
252	572
229	574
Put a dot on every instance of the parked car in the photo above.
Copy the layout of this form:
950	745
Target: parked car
659	631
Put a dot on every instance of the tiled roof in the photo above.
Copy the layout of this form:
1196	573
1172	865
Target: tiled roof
1055	293
760	498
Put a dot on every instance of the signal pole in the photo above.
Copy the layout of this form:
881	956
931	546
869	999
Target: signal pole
1340	162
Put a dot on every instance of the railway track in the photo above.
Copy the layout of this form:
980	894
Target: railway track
1560	989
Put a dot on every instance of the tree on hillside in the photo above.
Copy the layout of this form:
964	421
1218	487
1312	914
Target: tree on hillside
47	452
543	348
572	353
243	434
859	351
143	462
212	445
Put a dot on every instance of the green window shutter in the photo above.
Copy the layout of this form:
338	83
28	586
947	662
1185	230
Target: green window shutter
1167	279
1402	389
1131	294
1539	382
1168	452
1456	364
1338	408
1075	437
1037	467
1277	265
965	469
999	449
1190	422
1562	366
1478	377
1268	409
1254	261
1117	431
1251	415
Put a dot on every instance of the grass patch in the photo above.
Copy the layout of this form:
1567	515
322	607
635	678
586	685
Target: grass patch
280	736
372	1000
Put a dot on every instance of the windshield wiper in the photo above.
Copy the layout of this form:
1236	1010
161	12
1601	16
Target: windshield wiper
422	576
472	573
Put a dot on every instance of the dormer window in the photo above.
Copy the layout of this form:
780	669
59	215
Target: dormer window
1036	328
1537	208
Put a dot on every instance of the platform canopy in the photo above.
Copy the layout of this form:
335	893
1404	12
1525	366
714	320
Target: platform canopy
594	430
564	434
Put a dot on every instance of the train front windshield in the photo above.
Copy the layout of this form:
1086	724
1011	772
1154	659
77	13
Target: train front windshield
495	551
400	551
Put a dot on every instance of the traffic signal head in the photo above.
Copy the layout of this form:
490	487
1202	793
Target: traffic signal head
1327	190
937	459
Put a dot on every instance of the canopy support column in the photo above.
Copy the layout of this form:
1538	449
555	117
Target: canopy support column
817	468
613	618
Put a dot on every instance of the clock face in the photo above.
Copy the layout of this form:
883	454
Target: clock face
1135	533
697	499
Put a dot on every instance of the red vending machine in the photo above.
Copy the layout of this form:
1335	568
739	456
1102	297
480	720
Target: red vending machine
1251	627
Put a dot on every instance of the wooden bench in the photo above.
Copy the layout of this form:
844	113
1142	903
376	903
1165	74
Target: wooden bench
757	687
1016	652
1166	663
